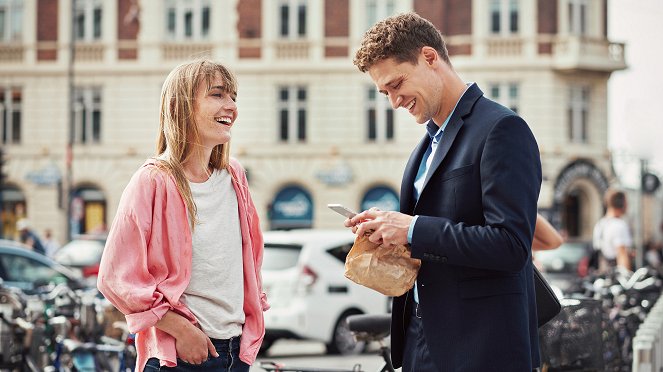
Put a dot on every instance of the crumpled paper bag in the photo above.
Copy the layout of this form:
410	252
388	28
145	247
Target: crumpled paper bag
388	269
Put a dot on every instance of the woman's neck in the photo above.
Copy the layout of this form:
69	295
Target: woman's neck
195	171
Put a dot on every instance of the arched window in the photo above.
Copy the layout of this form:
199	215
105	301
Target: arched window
13	209
88	211
382	197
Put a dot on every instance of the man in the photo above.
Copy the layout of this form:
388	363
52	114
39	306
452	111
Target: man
611	234
468	211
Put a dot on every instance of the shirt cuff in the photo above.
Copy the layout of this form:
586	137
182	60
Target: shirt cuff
410	231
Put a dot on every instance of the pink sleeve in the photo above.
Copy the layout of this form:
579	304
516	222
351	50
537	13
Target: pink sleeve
124	278
256	232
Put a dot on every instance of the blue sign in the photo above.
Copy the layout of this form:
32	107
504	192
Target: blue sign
381	197
292	208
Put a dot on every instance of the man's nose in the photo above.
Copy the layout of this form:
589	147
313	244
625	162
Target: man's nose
395	101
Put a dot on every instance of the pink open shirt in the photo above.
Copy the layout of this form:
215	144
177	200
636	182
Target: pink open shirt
146	264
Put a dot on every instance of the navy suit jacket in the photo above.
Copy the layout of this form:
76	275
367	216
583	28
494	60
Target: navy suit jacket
477	212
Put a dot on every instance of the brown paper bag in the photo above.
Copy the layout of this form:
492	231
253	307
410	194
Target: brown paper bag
389	270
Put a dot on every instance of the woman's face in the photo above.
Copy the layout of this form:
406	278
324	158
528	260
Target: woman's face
215	112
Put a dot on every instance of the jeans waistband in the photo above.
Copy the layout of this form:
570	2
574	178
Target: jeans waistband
226	342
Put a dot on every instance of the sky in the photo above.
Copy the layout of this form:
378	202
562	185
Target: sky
635	99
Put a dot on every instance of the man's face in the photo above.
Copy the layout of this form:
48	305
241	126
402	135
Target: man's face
413	87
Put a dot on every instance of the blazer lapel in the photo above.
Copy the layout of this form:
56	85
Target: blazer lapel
463	109
410	173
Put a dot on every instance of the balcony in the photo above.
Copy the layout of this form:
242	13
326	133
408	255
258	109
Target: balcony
571	53
185	50
290	49
505	47
11	53
89	52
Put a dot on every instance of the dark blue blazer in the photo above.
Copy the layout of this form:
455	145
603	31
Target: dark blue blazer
477	212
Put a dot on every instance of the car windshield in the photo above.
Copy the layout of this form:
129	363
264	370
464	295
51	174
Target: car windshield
80	252
280	256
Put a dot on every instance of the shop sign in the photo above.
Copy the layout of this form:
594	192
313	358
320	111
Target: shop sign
46	176
292	207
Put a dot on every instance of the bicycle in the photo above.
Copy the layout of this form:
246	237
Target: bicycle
366	328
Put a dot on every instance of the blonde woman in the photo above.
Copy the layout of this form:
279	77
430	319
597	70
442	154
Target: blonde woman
182	259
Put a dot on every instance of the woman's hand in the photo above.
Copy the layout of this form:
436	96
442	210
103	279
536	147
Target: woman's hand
193	346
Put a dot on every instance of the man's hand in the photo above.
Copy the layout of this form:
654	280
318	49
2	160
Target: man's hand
386	228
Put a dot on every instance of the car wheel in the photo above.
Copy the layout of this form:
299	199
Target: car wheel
343	341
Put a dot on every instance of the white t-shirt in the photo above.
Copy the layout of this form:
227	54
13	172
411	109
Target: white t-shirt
215	294
611	233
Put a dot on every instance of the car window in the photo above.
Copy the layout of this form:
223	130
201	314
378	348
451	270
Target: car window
23	269
280	256
340	252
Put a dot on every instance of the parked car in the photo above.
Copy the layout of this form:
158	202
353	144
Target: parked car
22	268
310	298
564	265
82	254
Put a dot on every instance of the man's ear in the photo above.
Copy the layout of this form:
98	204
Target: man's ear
430	55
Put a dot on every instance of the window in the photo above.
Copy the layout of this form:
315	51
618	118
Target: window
87	115
377	10
379	117
87	20
292	114
10	115
11	20
504	16
577	17
578	113
506	94
188	19
292	19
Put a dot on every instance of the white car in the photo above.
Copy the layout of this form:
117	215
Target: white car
302	274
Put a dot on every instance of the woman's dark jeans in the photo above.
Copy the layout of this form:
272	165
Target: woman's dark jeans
228	360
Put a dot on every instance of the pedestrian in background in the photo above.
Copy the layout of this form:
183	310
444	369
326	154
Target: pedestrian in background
467	210
183	255
50	243
28	237
612	237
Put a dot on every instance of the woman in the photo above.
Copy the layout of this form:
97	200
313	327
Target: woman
182	260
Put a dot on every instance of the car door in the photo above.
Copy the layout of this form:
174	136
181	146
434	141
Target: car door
26	273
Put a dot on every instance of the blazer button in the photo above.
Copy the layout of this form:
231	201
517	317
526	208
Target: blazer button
444	259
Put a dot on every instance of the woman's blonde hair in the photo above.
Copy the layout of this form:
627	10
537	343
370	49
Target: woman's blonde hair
178	136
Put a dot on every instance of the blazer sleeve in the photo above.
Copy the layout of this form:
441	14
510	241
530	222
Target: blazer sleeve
124	278
510	176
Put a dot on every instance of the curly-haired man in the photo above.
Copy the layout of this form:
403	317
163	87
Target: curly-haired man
467	210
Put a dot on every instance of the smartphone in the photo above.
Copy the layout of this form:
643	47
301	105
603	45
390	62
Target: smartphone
342	210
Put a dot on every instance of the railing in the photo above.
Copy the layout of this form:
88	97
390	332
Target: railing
292	49
179	51
648	342
11	53
505	47
89	52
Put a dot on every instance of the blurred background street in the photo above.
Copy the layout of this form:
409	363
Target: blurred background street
79	101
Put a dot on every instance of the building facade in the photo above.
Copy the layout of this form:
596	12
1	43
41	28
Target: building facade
80	83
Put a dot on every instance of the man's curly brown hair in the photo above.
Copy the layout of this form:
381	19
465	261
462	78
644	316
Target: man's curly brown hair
400	37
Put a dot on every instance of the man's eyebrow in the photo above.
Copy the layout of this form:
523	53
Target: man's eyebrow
390	84
219	87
